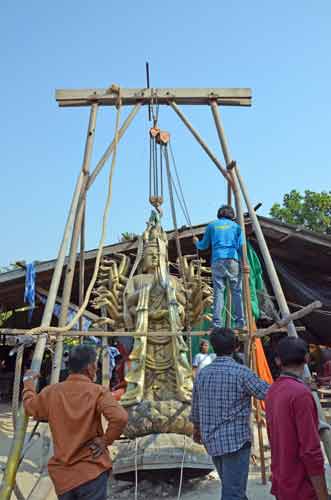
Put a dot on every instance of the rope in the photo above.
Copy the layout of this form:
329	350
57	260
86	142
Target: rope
181	200
29	442
182	471
181	204
81	310
17	383
179	250
136	470
19	495
185	211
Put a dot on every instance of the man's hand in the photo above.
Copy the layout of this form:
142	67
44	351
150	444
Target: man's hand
195	239
31	374
97	446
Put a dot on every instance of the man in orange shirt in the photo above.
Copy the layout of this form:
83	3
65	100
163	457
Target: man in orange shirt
80	466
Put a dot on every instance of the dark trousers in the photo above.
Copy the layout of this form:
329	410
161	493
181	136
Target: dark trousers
92	490
232	469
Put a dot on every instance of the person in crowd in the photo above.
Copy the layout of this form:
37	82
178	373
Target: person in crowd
221	408
80	465
297	463
203	358
225	238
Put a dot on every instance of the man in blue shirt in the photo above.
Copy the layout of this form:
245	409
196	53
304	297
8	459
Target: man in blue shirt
224	236
220	412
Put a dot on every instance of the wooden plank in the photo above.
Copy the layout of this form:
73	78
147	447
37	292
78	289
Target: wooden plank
192	96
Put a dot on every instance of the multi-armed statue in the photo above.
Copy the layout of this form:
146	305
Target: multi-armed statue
151	301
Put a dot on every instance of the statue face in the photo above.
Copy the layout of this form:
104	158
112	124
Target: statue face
151	259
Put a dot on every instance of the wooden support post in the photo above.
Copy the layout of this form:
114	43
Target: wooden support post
201	141
43	483
105	362
274	280
70	269
111	147
82	266
245	269
22	420
240	217
259	424
227	158
228	291
278	291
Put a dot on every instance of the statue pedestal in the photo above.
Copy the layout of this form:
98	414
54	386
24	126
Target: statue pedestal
158	417
160	454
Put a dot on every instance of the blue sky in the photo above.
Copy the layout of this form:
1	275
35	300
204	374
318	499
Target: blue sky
279	49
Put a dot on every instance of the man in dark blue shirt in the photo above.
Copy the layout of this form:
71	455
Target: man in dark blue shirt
224	236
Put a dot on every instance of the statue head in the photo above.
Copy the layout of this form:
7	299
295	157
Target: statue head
154	249
151	258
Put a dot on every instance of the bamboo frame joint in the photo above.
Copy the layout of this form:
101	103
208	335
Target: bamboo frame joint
231	165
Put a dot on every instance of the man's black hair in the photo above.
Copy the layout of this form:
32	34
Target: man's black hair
223	341
292	351
80	357
226	211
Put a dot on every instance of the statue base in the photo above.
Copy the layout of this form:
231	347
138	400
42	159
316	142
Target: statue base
160	454
158	417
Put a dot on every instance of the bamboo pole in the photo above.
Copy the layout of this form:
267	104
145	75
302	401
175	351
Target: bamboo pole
291	317
22	420
100	333
228	291
111	147
274	280
82	266
240	215
257	405
278	291
57	360
105	363
70	269
245	268
200	141
227	158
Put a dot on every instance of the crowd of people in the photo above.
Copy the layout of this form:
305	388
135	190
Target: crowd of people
220	409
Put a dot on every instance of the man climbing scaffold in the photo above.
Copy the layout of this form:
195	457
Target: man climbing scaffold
224	236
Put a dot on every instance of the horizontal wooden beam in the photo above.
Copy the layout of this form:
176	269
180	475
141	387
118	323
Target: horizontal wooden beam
100	333
291	317
195	96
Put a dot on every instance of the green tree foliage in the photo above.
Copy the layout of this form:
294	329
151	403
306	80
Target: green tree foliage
310	210
127	236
